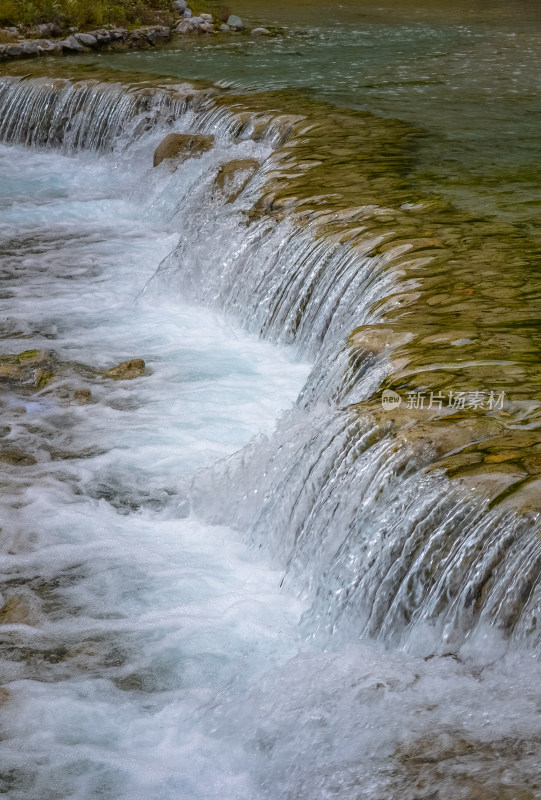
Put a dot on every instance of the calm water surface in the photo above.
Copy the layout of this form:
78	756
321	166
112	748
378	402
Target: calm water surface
467	75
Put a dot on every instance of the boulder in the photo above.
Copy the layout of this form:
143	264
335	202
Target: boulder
180	6
187	13
159	32
126	370
187	27
225	28
102	36
29	47
206	17
235	175
13	51
86	39
181	146
46	46
260	32
235	22
71	45
206	27
118	34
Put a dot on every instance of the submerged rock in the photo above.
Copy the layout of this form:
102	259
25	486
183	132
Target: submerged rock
260	32
178	147
126	370
82	396
17	611
16	458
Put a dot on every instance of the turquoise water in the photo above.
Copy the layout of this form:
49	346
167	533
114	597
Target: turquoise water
469	77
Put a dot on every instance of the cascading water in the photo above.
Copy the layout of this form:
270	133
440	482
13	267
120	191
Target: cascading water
159	656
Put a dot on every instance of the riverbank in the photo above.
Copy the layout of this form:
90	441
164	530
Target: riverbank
58	38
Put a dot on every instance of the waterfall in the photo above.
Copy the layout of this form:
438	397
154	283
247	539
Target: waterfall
379	542
380	546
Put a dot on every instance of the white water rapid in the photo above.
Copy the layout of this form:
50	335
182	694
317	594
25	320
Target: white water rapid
307	617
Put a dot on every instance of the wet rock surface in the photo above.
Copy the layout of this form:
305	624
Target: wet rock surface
126	370
234	176
177	147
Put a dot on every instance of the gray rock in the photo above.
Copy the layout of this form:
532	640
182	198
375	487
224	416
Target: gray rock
103	36
180	6
13	51
260	32
29	48
187	13
72	45
45	30
206	17
235	22
187	27
118	34
87	39
199	20
225	27
46	46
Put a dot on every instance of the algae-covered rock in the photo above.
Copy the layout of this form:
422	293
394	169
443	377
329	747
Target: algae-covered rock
127	370
234	176
42	378
177	147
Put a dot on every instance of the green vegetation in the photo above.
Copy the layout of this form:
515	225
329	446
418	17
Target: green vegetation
83	14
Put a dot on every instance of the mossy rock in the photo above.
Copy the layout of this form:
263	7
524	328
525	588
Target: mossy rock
178	147
234	176
126	370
